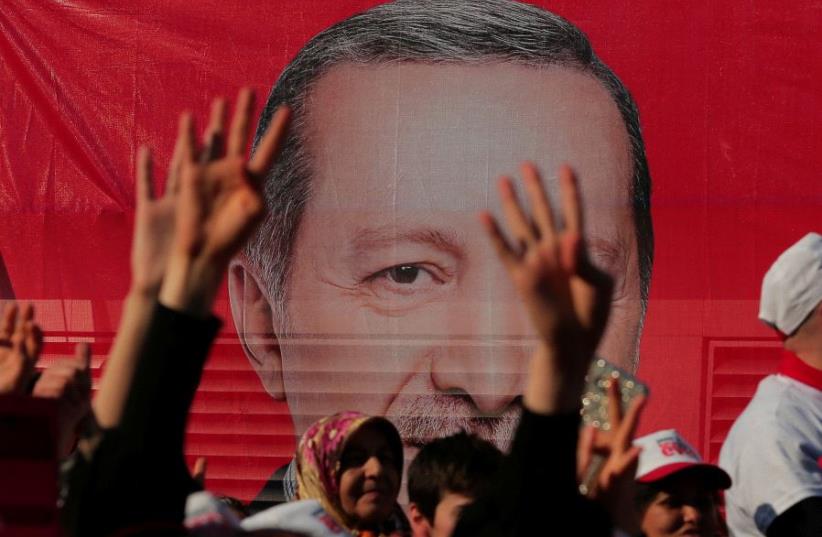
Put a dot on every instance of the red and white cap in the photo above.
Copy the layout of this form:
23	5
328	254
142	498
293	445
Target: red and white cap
665	453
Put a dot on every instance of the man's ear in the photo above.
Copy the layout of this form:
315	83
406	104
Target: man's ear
254	321
420	527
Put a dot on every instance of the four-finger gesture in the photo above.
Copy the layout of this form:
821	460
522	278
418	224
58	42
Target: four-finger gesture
221	198
154	214
218	205
567	297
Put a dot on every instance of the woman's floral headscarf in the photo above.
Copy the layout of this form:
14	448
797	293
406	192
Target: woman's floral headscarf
318	461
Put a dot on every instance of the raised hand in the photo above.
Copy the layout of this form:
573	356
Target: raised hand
607	461
68	380
564	292
567	297
154	215
220	202
21	341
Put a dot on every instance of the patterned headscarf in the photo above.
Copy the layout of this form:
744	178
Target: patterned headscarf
319	456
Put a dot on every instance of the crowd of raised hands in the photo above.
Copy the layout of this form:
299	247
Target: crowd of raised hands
129	475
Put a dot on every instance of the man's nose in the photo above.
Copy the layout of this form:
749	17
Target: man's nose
491	376
488	358
490	341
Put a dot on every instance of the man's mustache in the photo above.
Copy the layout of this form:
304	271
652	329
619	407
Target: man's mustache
422	418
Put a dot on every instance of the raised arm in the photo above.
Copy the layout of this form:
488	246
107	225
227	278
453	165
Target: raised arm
217	206
568	300
567	297
151	243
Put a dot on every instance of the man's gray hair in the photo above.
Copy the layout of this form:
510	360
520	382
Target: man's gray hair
426	31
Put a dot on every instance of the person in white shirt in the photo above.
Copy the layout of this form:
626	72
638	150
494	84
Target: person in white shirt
773	450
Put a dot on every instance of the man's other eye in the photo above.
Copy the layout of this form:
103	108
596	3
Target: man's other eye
409	275
406	279
403	273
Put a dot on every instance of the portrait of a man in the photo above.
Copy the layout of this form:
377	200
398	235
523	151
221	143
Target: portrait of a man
370	286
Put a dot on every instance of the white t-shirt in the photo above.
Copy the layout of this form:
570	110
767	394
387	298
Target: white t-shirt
772	454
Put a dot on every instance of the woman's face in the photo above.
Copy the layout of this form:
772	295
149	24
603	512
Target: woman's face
369	477
685	507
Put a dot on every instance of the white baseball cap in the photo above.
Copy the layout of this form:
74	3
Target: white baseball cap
665	453
792	287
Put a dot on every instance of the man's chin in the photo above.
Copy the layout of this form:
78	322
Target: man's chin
422	418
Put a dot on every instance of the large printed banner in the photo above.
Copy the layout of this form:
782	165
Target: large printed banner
371	285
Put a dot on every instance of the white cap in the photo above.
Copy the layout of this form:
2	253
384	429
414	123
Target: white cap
665	453
792	287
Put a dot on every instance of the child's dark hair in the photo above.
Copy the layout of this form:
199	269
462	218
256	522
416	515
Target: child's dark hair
461	463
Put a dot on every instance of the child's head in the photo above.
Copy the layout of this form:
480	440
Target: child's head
447	474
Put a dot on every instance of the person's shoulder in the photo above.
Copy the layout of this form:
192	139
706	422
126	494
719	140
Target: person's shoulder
800	399
761	409
759	420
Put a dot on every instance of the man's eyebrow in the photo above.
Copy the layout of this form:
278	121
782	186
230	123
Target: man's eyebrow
368	239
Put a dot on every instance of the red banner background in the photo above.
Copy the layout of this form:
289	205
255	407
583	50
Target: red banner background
730	96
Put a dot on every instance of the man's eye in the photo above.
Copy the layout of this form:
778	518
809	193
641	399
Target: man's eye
403	273
406	278
406	281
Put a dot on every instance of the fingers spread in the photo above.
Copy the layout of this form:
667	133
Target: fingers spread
238	135
270	145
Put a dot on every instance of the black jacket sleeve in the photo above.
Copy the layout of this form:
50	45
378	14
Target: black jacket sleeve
803	519
138	475
535	491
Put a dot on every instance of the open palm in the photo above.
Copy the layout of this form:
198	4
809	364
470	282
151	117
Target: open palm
221	199
567	297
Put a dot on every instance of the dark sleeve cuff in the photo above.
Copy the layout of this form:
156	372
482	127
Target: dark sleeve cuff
536	485
549	445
